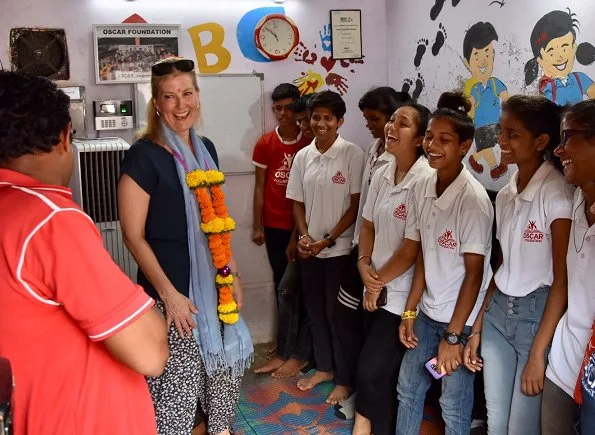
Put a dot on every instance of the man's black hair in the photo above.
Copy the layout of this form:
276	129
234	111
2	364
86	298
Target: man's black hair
300	105
329	100
33	113
285	90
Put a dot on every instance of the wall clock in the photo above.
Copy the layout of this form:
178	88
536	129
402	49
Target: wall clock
276	36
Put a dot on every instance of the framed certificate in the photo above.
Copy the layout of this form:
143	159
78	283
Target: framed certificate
346	33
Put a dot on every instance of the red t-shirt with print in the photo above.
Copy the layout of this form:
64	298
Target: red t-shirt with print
61	296
578	393
276	156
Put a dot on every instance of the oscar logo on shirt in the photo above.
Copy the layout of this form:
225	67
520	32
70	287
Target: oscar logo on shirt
532	234
401	212
282	173
447	241
338	178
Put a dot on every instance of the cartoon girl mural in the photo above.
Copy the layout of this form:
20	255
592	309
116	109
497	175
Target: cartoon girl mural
554	46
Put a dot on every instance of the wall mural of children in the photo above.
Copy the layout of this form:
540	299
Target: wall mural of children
485	94
553	41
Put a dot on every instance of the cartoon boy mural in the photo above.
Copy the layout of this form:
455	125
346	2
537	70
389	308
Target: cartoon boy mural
553	41
485	94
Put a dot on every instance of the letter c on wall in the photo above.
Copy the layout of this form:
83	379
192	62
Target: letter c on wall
245	32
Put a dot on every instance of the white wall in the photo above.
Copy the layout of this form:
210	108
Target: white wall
410	26
77	17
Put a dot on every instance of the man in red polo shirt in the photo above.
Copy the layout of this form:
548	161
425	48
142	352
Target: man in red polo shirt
78	333
273	222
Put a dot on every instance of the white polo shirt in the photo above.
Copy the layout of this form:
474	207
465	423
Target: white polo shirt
372	164
390	208
325	183
524	229
574	329
458	222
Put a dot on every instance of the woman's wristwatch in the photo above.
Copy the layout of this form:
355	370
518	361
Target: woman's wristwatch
330	240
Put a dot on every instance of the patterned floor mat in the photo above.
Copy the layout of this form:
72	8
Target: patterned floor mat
275	407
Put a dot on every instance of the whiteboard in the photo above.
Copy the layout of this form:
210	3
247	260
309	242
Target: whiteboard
232	110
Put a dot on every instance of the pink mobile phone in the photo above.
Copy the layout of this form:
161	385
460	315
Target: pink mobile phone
433	369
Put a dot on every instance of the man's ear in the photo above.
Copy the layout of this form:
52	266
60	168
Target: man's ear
64	146
340	123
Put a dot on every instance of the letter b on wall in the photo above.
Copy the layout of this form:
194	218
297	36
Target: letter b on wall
214	47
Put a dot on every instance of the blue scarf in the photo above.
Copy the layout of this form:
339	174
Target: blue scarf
221	350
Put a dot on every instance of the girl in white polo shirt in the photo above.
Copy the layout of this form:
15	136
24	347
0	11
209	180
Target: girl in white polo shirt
386	263
577	154
454	218
528	293
325	183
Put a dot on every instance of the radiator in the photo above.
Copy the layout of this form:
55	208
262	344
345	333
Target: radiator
94	187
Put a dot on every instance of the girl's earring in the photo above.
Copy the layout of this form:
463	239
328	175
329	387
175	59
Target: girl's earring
157	112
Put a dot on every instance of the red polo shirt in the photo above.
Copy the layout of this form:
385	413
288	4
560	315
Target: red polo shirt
61	295
276	157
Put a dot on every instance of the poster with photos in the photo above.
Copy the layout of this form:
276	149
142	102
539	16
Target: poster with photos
124	53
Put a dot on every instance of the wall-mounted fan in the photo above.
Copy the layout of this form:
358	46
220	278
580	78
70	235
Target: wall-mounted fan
41	52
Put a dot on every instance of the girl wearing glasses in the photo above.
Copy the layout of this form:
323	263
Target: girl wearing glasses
160	220
577	154
527	295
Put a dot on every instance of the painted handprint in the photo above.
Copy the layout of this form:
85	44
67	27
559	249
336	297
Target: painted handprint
309	83
325	38
303	54
338	82
346	63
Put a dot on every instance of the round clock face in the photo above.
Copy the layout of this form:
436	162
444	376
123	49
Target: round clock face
277	37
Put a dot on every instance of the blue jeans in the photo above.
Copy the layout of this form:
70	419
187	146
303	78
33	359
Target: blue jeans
509	328
456	400
588	408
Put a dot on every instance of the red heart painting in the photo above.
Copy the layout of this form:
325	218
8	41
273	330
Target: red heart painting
327	63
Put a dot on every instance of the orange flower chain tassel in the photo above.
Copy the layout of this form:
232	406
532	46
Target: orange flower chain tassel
217	225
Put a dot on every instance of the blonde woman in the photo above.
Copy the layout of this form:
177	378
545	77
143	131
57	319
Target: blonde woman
160	222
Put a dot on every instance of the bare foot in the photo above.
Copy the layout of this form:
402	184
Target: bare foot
340	392
305	384
269	366
362	425
290	369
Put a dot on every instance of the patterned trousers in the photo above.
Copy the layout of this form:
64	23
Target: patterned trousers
184	386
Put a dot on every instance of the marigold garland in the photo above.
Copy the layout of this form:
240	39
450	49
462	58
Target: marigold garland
217	225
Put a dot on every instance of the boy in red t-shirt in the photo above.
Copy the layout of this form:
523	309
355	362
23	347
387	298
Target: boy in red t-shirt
78	333
273	222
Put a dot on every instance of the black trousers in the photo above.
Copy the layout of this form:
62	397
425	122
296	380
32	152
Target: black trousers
294	338
378	372
321	278
276	241
349	318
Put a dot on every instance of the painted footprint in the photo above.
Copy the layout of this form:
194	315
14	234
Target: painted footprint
437	8
407	85
440	39
422	46
419	85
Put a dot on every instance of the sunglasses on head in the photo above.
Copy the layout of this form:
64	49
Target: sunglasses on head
164	67
567	134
